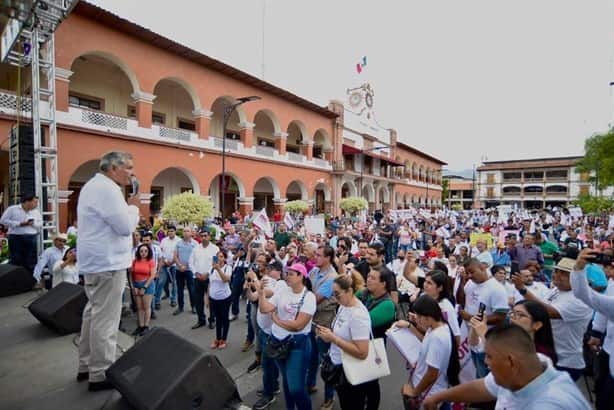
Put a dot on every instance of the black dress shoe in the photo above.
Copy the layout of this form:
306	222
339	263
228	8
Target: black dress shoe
82	376
211	325
177	312
199	324
153	315
99	386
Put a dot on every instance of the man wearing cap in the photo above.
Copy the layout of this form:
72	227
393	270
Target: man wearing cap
569	316
500	255
51	255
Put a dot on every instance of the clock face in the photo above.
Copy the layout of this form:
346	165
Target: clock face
355	99
369	100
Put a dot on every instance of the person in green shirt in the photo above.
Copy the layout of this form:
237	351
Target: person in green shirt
281	237
377	300
548	250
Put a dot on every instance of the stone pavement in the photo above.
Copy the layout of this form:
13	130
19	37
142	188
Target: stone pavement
38	367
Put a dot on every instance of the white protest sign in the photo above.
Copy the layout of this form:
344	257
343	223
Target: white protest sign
575	212
314	225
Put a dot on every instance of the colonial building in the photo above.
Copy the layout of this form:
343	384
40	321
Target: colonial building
460	192
120	86
373	163
532	183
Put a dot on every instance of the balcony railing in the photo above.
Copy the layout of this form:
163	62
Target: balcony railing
295	157
230	144
104	119
8	101
320	162
175	133
265	151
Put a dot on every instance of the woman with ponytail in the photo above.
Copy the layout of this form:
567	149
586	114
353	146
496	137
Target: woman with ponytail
437	366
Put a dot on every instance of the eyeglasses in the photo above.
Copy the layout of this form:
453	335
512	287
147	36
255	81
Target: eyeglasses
518	314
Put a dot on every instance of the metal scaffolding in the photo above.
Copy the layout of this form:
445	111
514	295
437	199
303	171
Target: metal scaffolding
28	41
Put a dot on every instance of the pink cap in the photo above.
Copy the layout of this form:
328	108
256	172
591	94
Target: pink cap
300	268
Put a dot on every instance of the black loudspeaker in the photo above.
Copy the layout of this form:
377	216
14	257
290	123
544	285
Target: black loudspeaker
61	308
165	371
21	162
14	280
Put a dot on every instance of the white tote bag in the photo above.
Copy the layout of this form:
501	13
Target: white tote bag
359	371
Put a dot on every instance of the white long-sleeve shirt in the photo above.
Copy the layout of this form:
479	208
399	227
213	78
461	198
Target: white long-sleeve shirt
603	304
201	259
15	215
69	273
48	259
106	223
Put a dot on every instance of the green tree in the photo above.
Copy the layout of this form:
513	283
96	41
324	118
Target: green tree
592	204
445	187
353	204
296	207
187	208
599	158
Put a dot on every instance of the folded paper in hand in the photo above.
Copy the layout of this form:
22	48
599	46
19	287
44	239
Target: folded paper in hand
406	343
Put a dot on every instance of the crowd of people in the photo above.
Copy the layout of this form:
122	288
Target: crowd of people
508	308
501	287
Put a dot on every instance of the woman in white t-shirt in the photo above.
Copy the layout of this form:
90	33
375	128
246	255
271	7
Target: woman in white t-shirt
219	298
66	269
437	366
291	311
350	333
437	286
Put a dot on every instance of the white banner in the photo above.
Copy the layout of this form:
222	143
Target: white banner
262	222
314	225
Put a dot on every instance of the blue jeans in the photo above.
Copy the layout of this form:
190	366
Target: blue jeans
22	251
250	329
405	248
167	275
293	370
319	351
236	285
270	372
478	359
185	278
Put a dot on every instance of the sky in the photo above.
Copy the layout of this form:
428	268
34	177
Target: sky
460	80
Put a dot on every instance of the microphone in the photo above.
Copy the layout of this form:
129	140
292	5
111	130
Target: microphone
135	185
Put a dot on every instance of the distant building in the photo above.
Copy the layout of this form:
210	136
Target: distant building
532	183
460	192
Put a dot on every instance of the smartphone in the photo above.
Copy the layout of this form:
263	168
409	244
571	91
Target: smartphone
135	185
215	259
515	268
481	311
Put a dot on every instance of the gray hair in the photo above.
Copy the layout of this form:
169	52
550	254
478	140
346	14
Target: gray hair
113	158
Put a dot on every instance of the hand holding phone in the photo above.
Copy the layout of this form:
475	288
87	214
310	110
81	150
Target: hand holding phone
481	311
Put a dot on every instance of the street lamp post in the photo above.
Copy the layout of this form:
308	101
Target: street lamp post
228	110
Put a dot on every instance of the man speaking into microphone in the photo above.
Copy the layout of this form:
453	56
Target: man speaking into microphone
104	245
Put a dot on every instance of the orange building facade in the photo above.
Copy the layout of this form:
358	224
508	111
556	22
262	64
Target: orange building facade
122	87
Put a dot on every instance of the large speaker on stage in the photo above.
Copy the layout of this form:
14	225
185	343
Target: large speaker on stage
61	308
21	162
165	371
14	280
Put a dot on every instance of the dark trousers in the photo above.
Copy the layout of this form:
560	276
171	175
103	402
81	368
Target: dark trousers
236	285
22	251
200	288
604	383
220	310
251	332
355	397
185	278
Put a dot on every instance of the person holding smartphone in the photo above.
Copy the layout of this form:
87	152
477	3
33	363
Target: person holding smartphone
24	222
219	298
201	263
